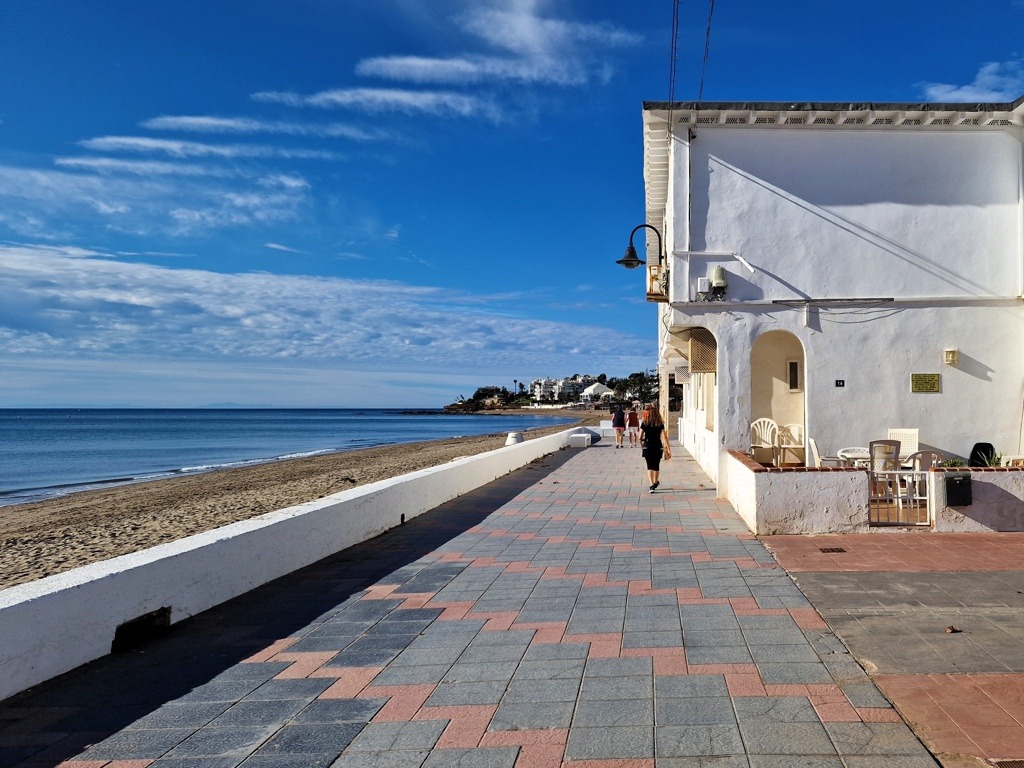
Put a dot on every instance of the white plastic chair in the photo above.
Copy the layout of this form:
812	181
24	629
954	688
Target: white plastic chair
791	439
764	438
820	461
907	439
921	461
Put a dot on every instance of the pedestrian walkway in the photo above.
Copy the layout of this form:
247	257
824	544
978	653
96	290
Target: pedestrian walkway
561	616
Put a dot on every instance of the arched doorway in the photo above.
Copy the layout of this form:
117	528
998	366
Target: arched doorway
777	391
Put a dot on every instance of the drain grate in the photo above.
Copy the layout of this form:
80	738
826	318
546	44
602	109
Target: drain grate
832	550
1009	763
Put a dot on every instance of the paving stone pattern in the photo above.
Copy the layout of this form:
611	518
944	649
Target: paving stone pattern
561	616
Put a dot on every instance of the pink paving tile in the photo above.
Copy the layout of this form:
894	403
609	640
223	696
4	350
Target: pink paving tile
415	599
744	684
351	680
807	618
968	712
379	591
271	650
546	632
837	713
454	611
82	764
540	756
670	665
776	689
878	715
498	623
450	557
723	669
467	725
405	702
481	562
688	594
304	664
641	587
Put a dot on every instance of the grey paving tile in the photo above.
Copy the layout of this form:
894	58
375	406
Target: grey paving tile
415	675
697	741
550	669
312	739
723	654
874	739
386	737
781	738
198	762
475	672
267	712
339	711
307	688
526	715
890	761
696	711
620	742
617	688
614	713
783	653
700	637
465	694
684	686
657	639
619	667
137	744
394	759
775	709
697	761
795	761
541	690
182	715
228	741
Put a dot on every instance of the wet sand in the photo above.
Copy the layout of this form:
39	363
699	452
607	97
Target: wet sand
48	537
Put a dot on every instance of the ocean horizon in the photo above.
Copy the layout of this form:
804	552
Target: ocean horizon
51	452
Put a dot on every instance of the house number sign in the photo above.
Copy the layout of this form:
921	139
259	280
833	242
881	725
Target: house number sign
925	382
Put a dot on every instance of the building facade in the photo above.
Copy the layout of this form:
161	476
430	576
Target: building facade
847	268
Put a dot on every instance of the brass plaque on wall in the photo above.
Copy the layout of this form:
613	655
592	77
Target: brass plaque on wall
926	382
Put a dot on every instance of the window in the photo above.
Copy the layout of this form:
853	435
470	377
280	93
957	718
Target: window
794	376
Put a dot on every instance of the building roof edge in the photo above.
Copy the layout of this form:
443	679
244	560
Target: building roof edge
837	106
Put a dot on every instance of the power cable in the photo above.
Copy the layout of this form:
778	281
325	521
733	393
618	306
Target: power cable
672	61
707	48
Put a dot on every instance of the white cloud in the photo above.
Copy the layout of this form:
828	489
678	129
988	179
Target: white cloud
378	100
995	82
209	124
53	204
197	149
279	247
537	50
82	306
139	167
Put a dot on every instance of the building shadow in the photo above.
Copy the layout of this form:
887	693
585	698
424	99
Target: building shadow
60	718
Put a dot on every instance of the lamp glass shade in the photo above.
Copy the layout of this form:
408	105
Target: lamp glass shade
630	259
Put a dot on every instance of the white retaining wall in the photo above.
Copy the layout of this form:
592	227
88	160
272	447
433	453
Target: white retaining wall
55	624
997	502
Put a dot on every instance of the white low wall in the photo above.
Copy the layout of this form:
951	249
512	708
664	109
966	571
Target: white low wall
55	624
997	502
797	501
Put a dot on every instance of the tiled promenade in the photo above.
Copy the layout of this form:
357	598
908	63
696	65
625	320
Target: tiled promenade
561	616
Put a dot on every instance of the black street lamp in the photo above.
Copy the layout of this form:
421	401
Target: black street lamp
630	260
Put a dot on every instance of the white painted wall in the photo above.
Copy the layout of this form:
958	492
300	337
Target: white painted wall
933	219
772	503
998	503
55	624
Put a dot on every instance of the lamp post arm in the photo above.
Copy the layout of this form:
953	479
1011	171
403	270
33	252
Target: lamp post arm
638	227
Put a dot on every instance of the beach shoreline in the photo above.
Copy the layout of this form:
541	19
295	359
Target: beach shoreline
46	537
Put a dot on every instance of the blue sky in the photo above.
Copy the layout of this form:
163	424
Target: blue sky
381	202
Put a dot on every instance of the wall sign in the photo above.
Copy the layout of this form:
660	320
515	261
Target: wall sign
925	382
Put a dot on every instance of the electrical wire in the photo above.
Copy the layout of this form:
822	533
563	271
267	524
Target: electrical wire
707	49
672	61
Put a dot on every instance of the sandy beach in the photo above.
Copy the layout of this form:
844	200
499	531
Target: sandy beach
48	537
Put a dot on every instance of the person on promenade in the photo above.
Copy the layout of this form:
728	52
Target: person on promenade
619	425
654	441
633	426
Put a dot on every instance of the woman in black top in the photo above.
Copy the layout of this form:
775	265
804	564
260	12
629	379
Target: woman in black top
654	439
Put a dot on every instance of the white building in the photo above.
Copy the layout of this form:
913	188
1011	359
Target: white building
873	261
542	389
595	393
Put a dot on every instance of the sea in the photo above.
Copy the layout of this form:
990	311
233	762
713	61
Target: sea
45	453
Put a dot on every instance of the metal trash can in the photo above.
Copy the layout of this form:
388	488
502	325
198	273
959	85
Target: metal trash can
958	489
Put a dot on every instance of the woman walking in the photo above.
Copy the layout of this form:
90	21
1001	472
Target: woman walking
654	441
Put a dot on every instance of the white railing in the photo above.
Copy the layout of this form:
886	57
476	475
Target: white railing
898	498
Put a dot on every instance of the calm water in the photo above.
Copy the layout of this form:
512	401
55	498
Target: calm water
46	453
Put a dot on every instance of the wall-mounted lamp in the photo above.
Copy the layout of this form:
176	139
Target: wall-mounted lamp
951	356
630	260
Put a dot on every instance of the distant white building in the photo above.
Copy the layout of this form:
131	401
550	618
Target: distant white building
595	393
845	267
542	389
